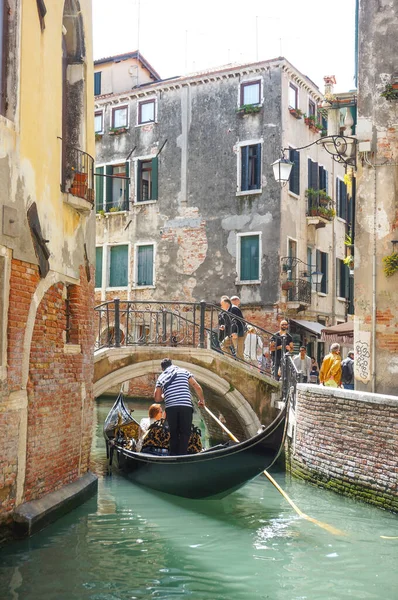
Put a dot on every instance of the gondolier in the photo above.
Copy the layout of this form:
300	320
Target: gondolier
174	385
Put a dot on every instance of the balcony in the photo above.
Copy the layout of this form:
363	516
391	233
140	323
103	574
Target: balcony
78	178
320	209
298	293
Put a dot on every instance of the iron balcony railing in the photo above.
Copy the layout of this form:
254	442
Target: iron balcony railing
78	173
298	290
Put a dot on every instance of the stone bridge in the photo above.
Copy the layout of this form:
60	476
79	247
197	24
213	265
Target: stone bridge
237	391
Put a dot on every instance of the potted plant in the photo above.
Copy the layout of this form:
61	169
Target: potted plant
309	120
390	264
287	285
296	112
117	130
247	109
390	92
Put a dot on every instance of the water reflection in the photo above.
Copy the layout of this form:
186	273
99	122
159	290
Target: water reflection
135	543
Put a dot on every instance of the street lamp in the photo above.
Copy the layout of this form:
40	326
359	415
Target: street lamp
340	147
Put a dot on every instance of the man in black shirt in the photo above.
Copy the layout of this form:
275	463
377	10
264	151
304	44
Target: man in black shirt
238	327
225	326
281	341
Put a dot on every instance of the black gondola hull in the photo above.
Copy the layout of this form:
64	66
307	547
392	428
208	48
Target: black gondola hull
212	473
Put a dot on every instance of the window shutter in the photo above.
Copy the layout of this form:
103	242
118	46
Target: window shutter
344	200
258	167
118	272
109	187
326	181
145	265
98	267
99	189
309	174
318	260
346	278
325	271
155	178
249	258
97	84
294	181
138	181
244	184
127	187
314	175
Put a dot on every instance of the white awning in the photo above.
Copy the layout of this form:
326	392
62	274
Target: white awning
312	326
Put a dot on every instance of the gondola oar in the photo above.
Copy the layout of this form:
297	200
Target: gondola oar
329	528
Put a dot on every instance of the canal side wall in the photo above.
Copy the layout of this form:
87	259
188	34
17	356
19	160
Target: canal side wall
347	441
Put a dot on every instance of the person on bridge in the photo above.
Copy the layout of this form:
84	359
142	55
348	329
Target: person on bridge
280	342
225	326
174	385
239	329
303	364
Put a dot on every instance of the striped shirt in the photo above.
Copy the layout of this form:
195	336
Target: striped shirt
175	386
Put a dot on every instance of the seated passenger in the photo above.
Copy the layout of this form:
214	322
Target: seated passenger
155	413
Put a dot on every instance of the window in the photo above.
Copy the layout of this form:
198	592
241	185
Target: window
248	257
311	108
145	264
294	181
293	96
147	180
146	111
313	175
342	279
97	83
322	265
99	121
250	167
118	266
250	93
98	267
342	199
120	117
323	179
117	187
99	188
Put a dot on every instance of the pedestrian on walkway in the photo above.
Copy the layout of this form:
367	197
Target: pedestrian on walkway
281	338
330	373
225	326
303	364
347	371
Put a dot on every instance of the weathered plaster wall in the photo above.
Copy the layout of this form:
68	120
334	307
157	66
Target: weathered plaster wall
347	442
37	366
376	326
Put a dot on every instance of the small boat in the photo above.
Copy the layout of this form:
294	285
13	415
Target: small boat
217	471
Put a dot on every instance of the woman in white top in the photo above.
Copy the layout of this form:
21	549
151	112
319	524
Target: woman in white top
154	414
253	347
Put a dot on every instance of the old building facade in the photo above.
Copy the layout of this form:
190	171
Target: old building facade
192	210
376	316
46	249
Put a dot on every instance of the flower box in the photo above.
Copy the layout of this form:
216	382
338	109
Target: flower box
296	112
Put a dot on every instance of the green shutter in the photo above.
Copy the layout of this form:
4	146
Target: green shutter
258	167
244	183
97	83
127	188
138	180
98	266
145	265
249	258
99	190
294	181
154	178
118	271
109	186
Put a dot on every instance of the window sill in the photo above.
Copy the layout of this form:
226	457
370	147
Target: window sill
143	287
341	220
146	123
248	282
249	192
79	204
112	289
144	202
72	349
322	294
118	131
341	299
293	195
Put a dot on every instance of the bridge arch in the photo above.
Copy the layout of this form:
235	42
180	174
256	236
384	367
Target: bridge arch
247	394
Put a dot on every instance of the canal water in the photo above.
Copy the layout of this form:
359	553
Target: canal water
129	543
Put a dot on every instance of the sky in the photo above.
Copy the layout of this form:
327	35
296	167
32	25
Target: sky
181	36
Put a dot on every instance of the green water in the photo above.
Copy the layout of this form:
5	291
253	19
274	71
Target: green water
129	543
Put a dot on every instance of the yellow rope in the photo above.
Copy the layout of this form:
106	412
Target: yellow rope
329	528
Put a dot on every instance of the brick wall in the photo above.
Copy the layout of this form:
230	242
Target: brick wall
59	387
347	442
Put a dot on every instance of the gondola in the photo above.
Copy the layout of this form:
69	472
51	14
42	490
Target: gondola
217	471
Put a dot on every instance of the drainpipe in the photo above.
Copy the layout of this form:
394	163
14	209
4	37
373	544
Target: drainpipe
374	285
334	290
